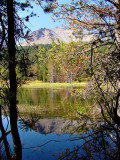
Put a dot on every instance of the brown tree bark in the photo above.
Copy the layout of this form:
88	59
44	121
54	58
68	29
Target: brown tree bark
12	78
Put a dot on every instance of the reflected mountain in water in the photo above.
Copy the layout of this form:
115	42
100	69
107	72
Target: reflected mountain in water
58	126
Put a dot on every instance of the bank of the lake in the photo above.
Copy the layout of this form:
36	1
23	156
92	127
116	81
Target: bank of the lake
38	84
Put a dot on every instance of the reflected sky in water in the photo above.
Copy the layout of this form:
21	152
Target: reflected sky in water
56	143
48	124
45	123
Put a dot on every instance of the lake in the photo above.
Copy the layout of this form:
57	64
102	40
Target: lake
49	122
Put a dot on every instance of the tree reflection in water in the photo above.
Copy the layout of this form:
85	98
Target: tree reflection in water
100	144
5	147
101	141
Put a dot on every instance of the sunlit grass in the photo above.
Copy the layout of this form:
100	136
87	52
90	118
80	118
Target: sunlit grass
37	84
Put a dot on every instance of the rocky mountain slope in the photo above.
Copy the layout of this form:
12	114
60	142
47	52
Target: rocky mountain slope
45	36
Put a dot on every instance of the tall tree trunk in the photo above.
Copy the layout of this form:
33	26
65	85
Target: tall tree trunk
12	78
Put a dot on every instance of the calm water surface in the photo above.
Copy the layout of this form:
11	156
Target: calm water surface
47	122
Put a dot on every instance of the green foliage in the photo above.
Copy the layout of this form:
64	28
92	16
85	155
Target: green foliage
59	62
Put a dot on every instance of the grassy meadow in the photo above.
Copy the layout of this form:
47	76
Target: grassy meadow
39	84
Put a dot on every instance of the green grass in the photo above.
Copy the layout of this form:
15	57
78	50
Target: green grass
37	84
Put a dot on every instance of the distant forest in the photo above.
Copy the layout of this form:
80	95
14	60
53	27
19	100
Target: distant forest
52	62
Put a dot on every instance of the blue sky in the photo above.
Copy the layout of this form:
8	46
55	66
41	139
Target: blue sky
44	20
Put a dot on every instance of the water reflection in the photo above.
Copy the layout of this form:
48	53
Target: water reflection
56	126
3	139
9	130
48	125
46	138
49	103
42	143
44	96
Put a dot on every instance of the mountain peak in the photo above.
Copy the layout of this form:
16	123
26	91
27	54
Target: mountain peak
45	36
